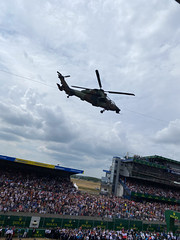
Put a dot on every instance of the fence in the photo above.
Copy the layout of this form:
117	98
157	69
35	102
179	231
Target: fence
45	222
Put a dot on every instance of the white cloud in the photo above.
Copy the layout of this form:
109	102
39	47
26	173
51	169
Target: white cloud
135	46
170	134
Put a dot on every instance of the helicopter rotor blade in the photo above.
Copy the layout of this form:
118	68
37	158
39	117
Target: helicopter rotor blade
98	78
132	94
81	87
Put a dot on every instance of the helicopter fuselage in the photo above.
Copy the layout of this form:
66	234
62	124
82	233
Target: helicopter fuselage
97	97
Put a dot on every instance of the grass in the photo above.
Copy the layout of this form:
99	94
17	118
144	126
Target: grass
87	186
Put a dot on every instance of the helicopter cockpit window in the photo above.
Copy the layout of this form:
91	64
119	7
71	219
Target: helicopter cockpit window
110	100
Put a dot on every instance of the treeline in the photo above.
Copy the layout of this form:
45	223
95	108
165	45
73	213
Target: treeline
87	178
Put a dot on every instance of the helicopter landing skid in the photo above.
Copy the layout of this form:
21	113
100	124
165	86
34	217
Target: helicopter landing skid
102	110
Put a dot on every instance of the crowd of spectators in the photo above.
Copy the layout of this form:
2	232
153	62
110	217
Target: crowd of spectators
147	188
29	193
93	234
155	172
101	234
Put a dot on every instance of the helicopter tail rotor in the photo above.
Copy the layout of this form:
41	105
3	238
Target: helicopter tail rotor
60	75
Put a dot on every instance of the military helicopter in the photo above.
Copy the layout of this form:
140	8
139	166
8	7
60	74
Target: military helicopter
97	97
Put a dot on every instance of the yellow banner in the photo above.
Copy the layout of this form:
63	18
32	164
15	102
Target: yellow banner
34	163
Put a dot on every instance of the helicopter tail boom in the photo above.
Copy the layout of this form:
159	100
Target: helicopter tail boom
64	85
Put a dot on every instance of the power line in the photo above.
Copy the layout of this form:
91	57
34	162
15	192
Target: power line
147	116
30	79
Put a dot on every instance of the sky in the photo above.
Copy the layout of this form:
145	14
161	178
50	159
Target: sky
135	45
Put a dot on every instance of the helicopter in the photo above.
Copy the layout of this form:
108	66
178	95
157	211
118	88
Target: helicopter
97	97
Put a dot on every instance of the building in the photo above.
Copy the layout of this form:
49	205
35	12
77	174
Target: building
155	171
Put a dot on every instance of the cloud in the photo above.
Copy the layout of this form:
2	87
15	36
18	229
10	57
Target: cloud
33	121
16	116
135	46
170	134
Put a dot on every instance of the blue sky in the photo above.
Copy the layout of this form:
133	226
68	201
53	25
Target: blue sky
135	45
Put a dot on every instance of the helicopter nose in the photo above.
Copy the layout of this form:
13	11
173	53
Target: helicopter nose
117	110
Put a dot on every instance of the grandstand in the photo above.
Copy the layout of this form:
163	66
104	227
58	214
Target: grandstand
152	180
152	177
42	195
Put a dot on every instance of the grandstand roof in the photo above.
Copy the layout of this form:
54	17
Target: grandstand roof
155	157
6	160
107	171
161	159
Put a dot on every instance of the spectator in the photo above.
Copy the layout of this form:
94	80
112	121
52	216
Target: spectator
1	231
9	233
33	232
25	234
